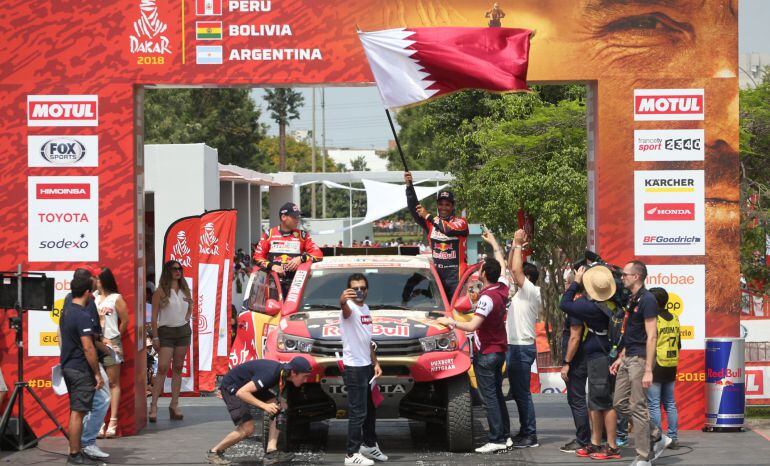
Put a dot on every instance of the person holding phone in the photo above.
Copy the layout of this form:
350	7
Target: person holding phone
361	368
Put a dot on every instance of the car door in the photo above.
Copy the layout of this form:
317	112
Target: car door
262	299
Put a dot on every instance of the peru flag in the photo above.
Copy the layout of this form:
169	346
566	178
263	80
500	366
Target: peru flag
412	65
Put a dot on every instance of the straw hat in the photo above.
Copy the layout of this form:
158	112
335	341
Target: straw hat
599	283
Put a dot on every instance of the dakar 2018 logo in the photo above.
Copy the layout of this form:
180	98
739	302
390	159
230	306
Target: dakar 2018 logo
148	37
181	252
208	243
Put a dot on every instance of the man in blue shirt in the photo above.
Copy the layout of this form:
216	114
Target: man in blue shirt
79	362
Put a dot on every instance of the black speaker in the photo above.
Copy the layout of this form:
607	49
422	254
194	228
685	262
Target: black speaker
9	440
36	292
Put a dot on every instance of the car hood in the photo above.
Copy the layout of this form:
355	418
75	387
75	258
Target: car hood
387	325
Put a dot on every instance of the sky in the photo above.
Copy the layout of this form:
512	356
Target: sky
355	117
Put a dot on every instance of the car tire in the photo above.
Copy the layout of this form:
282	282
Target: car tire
459	411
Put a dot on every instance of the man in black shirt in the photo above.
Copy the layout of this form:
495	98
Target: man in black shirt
575	373
253	383
634	366
80	366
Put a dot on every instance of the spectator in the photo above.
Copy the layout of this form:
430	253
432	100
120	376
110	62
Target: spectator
520	325
634	366
113	318
367	242
79	362
490	346
593	309
361	367
661	392
495	15
171	312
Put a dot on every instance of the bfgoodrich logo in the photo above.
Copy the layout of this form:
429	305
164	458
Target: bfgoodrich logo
665	240
669	211
62	110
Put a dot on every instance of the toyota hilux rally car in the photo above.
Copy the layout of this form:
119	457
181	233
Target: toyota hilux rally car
425	365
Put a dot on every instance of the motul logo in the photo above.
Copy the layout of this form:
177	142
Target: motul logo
669	211
64	191
668	104
62	110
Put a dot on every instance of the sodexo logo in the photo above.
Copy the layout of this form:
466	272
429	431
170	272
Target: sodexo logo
65	243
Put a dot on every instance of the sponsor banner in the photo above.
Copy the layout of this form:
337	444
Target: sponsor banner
668	104
223	337
63	219
208	275
758	383
63	151
686	287
551	381
669	213
62	110
755	330
42	326
669	145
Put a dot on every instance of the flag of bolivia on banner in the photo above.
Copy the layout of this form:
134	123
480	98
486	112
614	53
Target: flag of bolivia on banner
208	30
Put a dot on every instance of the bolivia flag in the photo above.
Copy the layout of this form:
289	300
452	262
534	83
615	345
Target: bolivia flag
208	30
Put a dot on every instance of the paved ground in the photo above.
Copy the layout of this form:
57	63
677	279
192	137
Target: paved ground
206	421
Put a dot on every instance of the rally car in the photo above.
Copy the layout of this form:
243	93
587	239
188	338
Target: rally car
425	365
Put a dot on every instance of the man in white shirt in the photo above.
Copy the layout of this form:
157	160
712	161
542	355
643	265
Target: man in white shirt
520	326
361	368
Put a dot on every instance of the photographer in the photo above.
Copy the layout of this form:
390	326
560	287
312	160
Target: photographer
253	383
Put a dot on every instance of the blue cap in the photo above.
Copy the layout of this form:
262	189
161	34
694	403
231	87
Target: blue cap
300	365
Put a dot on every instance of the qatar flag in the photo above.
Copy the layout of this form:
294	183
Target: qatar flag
415	64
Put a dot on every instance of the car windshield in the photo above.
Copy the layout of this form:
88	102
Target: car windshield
389	288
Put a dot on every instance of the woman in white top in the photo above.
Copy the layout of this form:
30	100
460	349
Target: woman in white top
171	312
113	317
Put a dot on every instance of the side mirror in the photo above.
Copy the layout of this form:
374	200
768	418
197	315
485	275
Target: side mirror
463	304
272	307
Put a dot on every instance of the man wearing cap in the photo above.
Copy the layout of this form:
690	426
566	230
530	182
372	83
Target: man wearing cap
285	247
447	235
592	308
254	383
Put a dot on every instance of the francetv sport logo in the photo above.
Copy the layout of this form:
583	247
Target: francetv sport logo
668	104
668	211
62	110
669	145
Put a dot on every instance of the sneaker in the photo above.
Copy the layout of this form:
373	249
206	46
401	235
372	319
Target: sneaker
571	447
660	446
588	450
491	447
373	453
606	454
81	459
526	441
92	451
217	457
357	459
277	457
640	462
674	444
621	442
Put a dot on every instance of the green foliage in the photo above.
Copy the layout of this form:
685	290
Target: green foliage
284	105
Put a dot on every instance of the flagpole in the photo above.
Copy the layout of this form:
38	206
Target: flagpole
398	143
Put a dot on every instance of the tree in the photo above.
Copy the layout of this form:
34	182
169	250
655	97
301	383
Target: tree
284	104
226	119
358	164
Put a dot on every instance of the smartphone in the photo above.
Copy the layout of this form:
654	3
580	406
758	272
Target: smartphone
359	295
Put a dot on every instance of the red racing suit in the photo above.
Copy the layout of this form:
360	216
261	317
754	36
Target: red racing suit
278	248
447	238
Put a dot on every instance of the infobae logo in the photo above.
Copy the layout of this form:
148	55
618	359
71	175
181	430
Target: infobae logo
62	110
63	191
664	240
669	211
668	104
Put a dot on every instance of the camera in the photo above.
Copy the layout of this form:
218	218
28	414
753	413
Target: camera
592	259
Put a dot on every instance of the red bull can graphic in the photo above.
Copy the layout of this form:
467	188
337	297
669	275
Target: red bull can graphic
725	383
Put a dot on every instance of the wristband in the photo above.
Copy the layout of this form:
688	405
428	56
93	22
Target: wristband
518	246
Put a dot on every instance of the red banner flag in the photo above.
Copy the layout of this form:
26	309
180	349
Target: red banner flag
243	348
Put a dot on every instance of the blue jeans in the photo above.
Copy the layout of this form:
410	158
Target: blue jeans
489	376
361	411
92	422
519	362
663	394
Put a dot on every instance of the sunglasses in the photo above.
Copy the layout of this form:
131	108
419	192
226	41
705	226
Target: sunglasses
176	269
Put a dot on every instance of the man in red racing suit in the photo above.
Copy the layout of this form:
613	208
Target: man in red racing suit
284	248
447	235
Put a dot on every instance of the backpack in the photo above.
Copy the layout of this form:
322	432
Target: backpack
617	324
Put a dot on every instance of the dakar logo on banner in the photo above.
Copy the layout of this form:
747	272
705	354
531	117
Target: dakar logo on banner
148	31
209	240
181	252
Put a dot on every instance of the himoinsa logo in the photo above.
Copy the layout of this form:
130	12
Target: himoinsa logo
668	104
63	191
669	211
62	110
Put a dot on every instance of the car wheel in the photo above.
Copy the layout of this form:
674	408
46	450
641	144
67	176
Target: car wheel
459	422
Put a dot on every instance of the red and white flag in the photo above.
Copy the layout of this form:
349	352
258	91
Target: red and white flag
415	64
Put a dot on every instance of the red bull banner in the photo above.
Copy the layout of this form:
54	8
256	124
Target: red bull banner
181	245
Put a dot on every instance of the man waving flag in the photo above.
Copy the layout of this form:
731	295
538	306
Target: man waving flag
415	64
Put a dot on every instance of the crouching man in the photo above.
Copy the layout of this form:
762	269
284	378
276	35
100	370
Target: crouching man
257	383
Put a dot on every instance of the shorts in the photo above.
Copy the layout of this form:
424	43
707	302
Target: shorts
116	344
240	411
81	387
174	337
600	384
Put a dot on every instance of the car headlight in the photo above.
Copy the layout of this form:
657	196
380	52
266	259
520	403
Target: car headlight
294	344
442	342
